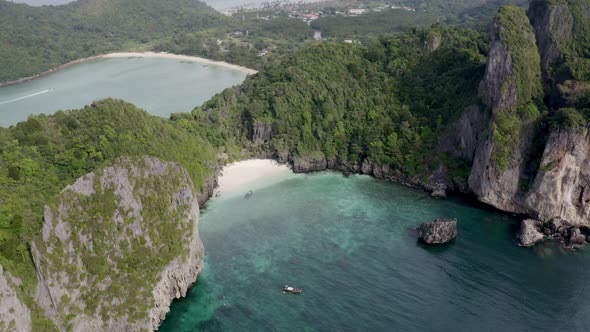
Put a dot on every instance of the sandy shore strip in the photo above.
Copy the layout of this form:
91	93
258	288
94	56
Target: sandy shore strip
242	176
180	58
135	55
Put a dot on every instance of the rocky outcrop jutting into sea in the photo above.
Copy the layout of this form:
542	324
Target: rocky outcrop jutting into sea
118	247
530	232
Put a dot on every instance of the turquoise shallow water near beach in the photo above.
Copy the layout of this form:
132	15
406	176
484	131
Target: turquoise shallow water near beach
349	242
160	86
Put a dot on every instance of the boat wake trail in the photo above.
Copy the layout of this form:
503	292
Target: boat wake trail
25	97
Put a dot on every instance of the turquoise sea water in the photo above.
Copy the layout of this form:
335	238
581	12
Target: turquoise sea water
349	242
160	86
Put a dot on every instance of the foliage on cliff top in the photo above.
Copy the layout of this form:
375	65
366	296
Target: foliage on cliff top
42	155
574	44
517	33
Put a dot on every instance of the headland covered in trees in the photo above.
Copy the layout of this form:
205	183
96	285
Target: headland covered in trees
500	116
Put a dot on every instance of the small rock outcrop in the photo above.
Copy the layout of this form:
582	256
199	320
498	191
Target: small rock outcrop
530	232
438	231
310	163
118	247
14	315
439	191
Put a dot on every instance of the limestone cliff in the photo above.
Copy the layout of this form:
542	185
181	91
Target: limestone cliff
554	187
562	186
462	137
552	22
14	315
559	192
118	247
562	28
511	81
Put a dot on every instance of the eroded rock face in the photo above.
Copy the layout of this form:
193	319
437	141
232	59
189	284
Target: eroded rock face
530	232
562	186
552	22
309	164
438	231
261	132
118	247
492	184
462	138
498	90
14	315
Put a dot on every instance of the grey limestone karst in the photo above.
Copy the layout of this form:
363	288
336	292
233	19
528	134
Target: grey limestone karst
14	314
120	244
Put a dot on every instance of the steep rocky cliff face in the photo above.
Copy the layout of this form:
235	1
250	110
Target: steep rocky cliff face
511	81
552	21
507	172
118	246
562	28
14	315
562	186
463	136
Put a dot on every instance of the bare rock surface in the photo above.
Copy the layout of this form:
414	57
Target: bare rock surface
530	232
311	163
14	314
438	231
120	244
562	186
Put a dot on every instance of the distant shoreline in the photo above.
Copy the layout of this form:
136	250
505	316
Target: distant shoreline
118	55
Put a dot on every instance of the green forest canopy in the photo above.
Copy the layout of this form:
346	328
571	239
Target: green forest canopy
35	39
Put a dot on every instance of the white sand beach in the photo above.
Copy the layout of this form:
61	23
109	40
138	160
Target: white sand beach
242	176
179	57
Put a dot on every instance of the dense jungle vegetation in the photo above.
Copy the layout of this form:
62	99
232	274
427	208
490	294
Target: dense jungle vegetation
387	101
41	156
35	39
87	27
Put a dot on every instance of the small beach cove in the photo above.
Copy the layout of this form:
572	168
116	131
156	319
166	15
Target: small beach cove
349	243
160	83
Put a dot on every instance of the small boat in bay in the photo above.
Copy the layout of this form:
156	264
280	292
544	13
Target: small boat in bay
249	194
292	290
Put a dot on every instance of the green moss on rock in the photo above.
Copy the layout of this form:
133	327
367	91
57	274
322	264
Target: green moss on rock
112	235
516	33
